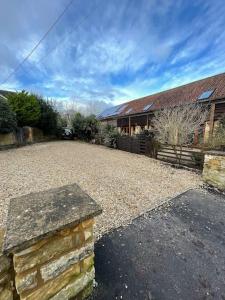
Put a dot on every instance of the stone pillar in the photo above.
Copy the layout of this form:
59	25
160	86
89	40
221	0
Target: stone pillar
214	169
53	248
6	284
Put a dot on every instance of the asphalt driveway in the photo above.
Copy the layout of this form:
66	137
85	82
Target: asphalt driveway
175	252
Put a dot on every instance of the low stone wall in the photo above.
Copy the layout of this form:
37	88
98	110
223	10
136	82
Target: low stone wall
24	135
7	139
214	169
6	285
59	267
32	134
52	244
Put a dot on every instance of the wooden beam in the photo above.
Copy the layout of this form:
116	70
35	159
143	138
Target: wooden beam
129	127
196	136
147	121
211	118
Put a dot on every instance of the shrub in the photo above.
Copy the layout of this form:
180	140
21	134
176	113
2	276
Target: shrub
217	140
176	125
110	136
48	117
92	126
7	117
198	158
61	121
79	124
26	108
85	128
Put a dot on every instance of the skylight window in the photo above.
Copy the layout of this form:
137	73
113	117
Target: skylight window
147	107
205	95
129	111
112	111
121	108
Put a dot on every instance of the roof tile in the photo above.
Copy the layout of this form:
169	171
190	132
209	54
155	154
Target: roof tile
187	93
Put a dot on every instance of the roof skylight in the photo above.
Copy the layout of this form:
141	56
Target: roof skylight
129	111
147	107
121	108
205	95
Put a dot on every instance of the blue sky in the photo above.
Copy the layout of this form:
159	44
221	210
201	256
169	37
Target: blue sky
110	51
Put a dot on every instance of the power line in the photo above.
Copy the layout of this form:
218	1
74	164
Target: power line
39	42
59	43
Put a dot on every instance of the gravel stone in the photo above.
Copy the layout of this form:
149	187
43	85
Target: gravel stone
124	184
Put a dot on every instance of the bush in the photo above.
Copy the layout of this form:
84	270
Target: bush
61	121
79	124
7	117
48	120
217	140
110	136
26	108
85	128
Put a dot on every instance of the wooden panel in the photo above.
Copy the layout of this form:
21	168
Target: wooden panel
123	122
219	111
139	120
189	156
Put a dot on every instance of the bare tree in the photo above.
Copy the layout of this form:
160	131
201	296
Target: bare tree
175	126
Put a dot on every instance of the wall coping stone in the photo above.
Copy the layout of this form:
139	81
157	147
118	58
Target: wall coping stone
39	215
216	153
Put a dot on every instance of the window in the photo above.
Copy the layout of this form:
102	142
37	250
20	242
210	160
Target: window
121	108
129	111
147	107
205	95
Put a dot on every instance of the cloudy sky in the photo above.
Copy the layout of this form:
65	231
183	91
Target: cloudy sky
109	51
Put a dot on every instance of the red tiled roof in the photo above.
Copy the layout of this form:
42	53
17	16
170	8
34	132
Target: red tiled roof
187	93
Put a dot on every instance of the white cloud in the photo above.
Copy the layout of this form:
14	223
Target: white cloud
123	50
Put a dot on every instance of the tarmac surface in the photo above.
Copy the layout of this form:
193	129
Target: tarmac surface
174	252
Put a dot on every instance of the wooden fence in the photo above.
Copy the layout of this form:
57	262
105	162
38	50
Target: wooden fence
141	144
192	157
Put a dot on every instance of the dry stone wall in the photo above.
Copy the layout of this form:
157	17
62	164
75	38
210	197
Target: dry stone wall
6	280
59	267
214	169
50	242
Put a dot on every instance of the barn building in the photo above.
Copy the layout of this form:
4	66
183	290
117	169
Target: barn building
134	116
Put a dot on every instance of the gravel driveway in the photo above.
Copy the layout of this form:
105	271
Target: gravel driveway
124	184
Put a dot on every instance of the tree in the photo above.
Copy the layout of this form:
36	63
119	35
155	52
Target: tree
61	121
7	117
176	125
26	108
79	125
84	127
91	127
48	116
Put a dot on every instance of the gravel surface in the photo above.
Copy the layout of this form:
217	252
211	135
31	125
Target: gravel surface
124	184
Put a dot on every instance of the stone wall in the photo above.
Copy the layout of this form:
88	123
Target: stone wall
59	267
32	134
7	139
23	136
6	283
214	169
49	238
